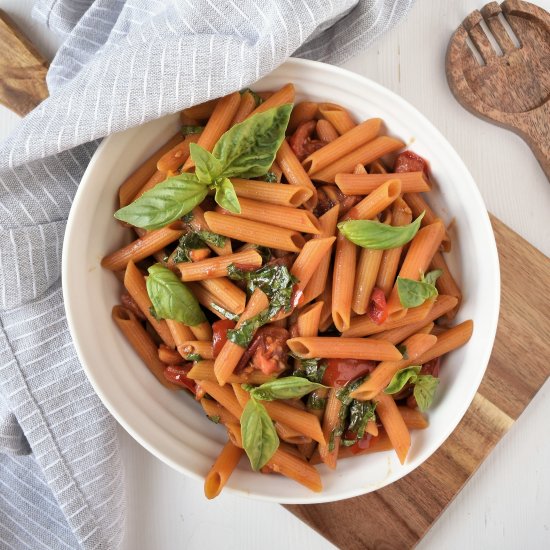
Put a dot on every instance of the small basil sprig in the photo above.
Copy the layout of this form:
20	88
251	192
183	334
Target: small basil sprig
246	150
414	293
260	439
186	130
424	385
379	236
171	298
289	387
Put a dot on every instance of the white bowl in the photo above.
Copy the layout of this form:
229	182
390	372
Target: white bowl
171	425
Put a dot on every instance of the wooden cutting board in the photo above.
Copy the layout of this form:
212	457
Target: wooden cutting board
404	511
399	515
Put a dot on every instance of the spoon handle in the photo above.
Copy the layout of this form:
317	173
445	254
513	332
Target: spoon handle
535	130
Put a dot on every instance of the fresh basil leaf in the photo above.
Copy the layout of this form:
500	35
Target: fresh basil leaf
260	440
401	377
243	335
414	293
343	394
215	419
424	390
248	149
226	196
360	413
431	277
165	203
289	387
312	369
403	350
257	99
188	218
226	313
171	298
189	241
193	357
270	177
379	236
186	130
314	401
212	238
207	167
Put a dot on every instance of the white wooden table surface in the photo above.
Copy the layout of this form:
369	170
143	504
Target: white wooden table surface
506	505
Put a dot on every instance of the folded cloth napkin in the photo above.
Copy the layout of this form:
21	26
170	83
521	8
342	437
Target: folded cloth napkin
121	64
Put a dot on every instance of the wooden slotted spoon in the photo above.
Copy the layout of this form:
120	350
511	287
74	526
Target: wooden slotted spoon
512	87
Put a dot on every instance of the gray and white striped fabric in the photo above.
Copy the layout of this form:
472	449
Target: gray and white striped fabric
121	64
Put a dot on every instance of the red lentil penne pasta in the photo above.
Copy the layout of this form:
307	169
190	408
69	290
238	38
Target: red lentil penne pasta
173	159
293	467
283	195
302	112
328	451
223	395
198	347
337	116
225	293
364	154
394	425
377	201
142	343
198	223
346	143
133	183
449	340
281	216
150	243
326	131
343	348
280	97
213	268
250	231
213	408
221	470
202	110
169	356
343	281
446	283
204	370
246	106
309	259
363	184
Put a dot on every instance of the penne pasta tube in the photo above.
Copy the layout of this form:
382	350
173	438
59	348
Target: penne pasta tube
365	278
241	394
329	451
281	216
441	306
198	347
446	283
142	343
291	436
308	319
246	106
223	395
329	347
377	167
262	191
213	408
214	268
359	169
202	110
318	279
231	353
309	259
376	202
280	97
225	294
381	376
135	284
364	154
394	425
204	370
180	333
218	123
276	169
198	223
253	232
293	467
418	258
417	204
401	215
173	159
326	131
326	313
294	171
346	143
234	433
337	116
413	418
151	242
377	444
221	470
343	281
448	341
135	181
169	356
363	184
301	112
153	181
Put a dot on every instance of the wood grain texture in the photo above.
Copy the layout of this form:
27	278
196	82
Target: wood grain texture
23	70
512	89
397	516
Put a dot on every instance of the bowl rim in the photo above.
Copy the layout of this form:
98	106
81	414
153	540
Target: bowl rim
491	256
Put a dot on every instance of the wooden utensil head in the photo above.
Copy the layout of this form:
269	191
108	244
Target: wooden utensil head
510	86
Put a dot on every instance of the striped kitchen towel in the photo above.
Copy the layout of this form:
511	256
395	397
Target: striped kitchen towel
121	64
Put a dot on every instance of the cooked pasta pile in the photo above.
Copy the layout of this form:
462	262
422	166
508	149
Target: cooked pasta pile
287	271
